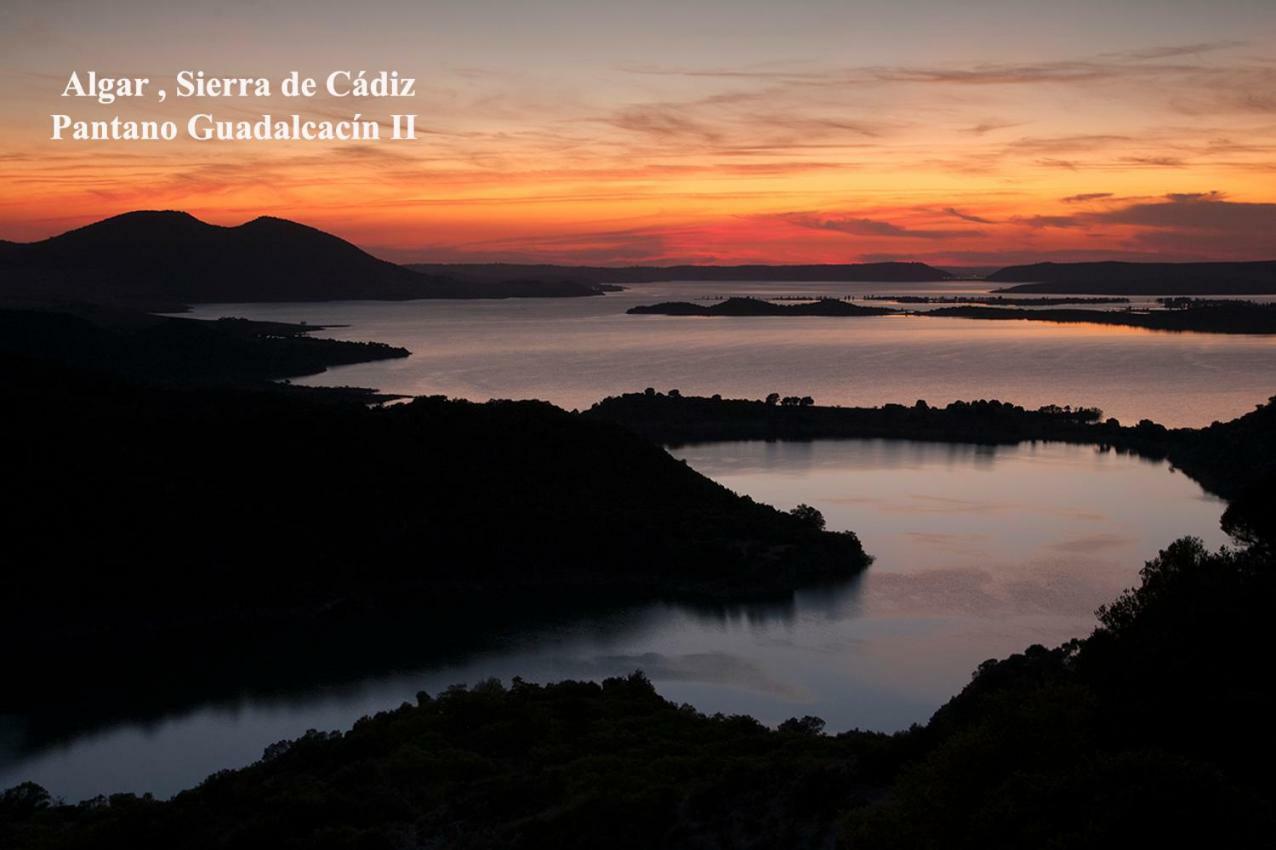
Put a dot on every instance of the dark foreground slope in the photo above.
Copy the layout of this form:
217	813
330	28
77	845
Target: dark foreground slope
176	516
1115	278
1154	731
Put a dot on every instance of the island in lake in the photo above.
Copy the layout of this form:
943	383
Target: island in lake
758	307
1180	314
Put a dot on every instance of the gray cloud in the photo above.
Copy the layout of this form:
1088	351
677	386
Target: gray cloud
1195	224
1204	212
1172	51
956	213
869	227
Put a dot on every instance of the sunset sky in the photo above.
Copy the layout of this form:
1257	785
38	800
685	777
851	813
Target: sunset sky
961	133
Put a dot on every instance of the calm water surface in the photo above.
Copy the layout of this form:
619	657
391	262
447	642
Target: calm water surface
980	552
575	351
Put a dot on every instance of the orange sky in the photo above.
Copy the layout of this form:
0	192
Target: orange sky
797	132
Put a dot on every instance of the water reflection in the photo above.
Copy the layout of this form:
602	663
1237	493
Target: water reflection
575	351
980	551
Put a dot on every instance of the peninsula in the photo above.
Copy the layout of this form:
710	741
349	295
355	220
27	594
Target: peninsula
192	502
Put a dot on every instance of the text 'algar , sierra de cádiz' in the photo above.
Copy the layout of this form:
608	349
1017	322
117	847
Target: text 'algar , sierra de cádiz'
207	126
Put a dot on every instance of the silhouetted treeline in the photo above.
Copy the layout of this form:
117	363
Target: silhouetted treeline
1227	458
994	300
1153	731
674	419
1184	302
1235	460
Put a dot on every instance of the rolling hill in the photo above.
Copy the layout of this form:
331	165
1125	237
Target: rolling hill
1115	278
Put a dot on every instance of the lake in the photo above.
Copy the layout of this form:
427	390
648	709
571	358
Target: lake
981	551
575	351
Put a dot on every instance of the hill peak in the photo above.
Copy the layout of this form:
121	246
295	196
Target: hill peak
167	256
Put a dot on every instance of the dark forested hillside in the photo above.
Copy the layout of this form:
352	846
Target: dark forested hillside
181	513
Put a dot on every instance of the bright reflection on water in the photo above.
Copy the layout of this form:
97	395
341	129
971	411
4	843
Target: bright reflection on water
575	351
980	552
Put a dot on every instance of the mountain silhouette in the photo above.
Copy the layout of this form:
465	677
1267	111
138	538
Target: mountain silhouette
164	260
168	256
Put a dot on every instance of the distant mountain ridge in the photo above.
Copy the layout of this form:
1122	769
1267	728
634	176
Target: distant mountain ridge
167	259
161	259
1118	278
903	272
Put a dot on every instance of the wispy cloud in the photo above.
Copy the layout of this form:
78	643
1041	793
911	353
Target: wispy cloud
1086	197
869	227
1175	50
956	213
985	127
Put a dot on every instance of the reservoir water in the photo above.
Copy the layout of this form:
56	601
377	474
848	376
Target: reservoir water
980	551
575	351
